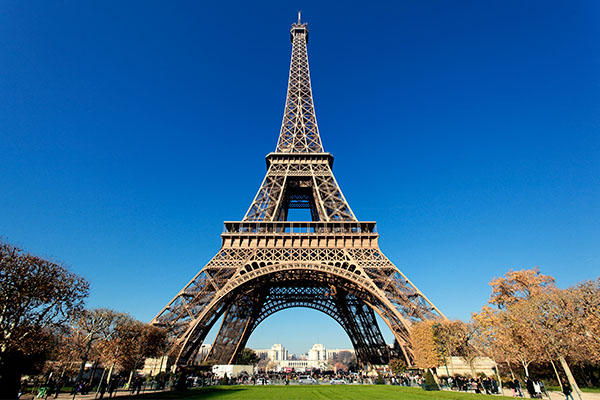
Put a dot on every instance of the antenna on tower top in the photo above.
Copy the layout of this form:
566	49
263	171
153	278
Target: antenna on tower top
299	15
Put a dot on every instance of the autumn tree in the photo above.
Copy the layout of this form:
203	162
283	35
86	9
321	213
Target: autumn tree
583	303
36	296
397	366
506	334
493	338
455	338
145	341
548	319
533	320
518	285
120	341
426	350
91	326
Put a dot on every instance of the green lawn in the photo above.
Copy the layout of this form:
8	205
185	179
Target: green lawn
366	392
583	389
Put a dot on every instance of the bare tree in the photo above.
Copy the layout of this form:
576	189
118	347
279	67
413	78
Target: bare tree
91	326
36	295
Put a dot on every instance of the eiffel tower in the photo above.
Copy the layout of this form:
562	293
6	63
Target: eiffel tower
266	264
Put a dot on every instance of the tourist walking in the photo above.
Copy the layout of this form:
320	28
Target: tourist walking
567	390
517	388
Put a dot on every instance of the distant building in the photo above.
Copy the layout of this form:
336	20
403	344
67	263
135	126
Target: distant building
263	354
278	353
459	366
153	366
333	353
317	357
317	353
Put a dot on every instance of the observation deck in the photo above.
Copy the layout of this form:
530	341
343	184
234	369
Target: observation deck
308	234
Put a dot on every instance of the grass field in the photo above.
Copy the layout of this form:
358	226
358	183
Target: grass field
583	389
362	392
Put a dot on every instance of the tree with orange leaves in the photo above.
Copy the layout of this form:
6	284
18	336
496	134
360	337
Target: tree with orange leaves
426	350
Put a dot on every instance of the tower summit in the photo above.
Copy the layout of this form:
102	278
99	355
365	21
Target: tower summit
299	131
266	263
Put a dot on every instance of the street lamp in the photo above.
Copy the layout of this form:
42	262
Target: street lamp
437	330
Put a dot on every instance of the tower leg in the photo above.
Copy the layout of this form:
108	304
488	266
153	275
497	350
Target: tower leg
236	328
363	330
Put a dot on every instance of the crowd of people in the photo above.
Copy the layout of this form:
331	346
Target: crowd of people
183	379
485	385
104	388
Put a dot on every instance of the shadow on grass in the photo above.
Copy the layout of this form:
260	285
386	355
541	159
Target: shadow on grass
198	393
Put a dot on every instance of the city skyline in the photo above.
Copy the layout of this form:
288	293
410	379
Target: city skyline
110	164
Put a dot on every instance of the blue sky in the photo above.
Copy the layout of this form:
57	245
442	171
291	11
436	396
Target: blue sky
129	131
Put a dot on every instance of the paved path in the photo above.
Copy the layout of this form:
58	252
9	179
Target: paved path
558	395
92	395
125	393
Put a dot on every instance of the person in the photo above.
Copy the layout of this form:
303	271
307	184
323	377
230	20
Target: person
139	382
567	390
112	387
530	388
517	388
23	388
102	388
57	387
543	389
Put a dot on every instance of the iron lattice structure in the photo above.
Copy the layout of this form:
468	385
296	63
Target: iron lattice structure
332	264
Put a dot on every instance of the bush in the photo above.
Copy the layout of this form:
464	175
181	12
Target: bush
430	383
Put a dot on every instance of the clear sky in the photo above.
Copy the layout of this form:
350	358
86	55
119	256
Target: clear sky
129	131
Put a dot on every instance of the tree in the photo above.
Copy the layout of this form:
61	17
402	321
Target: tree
270	366
145	341
397	366
249	357
36	296
90	326
518	285
491	339
346	358
426	350
535	321
338	366
342	360
584	306
115	348
505	328
548	319
455	339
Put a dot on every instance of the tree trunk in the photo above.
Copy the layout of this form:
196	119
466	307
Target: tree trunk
130	378
84	359
570	377
512	374
470	361
110	374
557	375
525	367
101	379
94	367
498	376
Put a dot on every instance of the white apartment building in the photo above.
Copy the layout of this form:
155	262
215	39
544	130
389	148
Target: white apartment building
317	353
278	353
317	357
